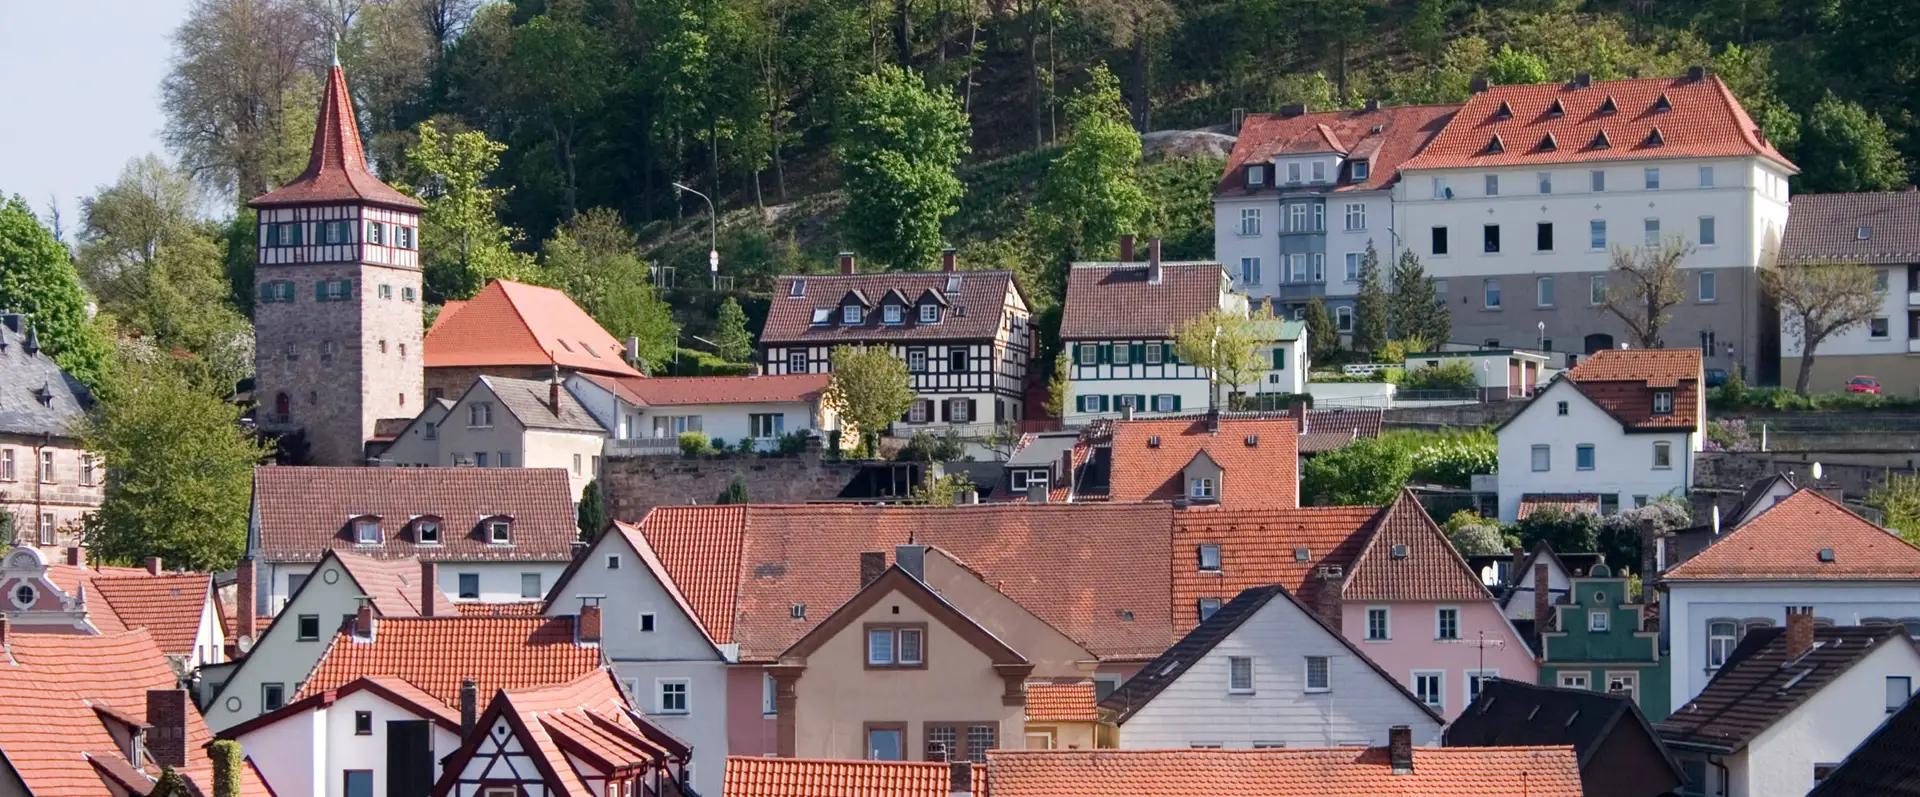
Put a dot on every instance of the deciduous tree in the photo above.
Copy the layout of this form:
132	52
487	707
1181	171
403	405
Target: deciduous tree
1224	343
870	389
1365	472
1817	301
37	277
1844	148
1899	502
1643	284
898	145
462	239
240	88
596	261
1056	405
1092	192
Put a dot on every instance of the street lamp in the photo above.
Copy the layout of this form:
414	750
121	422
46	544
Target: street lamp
1543	335
713	234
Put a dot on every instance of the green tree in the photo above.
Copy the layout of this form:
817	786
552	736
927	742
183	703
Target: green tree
1748	72
1365	472
731	340
1414	309
591	514
1370	320
1509	67
1576	532
944	490
1322	339
1899	502
596	261
736	492
1092	193
241	93
462	240
1473	535
1427	33
179	469
1056	405
1843	148
1817	301
1224	343
870	389
227	760
37	277
897	148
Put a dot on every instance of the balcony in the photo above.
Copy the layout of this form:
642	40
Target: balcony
1913	298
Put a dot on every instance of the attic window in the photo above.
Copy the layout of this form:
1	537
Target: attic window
850	314
1862	233
1547	144
1600	141
797	288
1607	106
1654	139
1826	554
426	530
1210	557
1505	111
1302	554
366	530
953	284
1153	441
1256	176
1662	104
822	316
499	530
1495	147
1398	552
1359	169
1556	109
1253	441
798	612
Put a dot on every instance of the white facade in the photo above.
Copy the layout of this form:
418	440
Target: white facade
494	437
1246	241
1889	333
1690	610
652	641
1625	466
279	656
652	429
307	754
1103	382
1198	707
1287	367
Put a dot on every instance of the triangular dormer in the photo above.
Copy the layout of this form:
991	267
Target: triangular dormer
1661	104
1608	107
1654	139
1548	144
1202	479
1556	109
931	296
1503	112
1600	141
1495	146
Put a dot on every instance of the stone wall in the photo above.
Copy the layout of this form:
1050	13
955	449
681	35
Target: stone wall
1489	413
634	485
1720	478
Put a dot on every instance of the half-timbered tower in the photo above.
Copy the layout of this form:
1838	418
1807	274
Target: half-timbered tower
337	321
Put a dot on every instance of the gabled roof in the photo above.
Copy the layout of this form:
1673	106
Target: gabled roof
390	688
1787	541
1403	130
1051	702
1409	558
571	731
1705	121
1622	383
895	581
170	606
1757	492
1135	693
1652	367
391	585
36	398
1330	429
753	776
336	168
671	391
1565	502
1150	455
629	534
1886	764
1827	227
1760	685
1511	713
974	312
1115	300
531	403
436	653
303	511
1302	772
511	324
1261	547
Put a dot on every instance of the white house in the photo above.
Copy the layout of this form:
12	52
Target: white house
1264	671
1500	374
655	642
647	416
1805	550
499	422
353	741
1789	706
1519	203
1622	426
1284	350
1870	228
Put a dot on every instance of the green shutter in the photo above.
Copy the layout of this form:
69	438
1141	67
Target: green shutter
286	291
1076	354
320	290
266	291
1137	352
1169	354
1140	404
1176	402
1106	353
1105	404
1279	358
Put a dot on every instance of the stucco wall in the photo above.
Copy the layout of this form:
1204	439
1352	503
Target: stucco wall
290	754
346	751
1825	728
1688	607
1623	463
1487	645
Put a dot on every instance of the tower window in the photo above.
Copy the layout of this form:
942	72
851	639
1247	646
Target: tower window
406	294
376	233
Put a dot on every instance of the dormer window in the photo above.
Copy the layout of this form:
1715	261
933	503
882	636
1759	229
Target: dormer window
1663	402
1556	109
1210	557
1360	171
1200	489
499	530
1600	141
1256	176
366	530
426	530
1293	172
1654	139
1662	104
1548	144
822	316
1607	106
891	314
850	314
1505	111
929	313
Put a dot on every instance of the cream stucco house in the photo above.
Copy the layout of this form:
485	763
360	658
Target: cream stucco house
506	423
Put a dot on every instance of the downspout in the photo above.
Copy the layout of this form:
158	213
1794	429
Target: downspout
1717	764
39	487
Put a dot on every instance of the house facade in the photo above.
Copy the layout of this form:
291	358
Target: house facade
1118	330
647	416
47	482
181	611
1873	229
575	739
1600	640
965	336
1620	754
377	735
500	422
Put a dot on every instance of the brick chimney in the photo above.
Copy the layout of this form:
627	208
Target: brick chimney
846	263
589	629
960	778
363	621
153	565
949	259
553	392
1400	749
872	565
1799	631
1153	261
429	587
469	706
77	556
166	739
1299	411
1542	599
1326	597
245	592
1066	470
1126	248
1519	561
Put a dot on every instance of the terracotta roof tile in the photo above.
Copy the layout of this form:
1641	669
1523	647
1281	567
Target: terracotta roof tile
1760	684
393	585
1307	772
1330	429
169	606
304	510
700	549
336	167
1827	227
1704	121
437	653
71	579
1114	300
806	777
1565	502
1260	476
1061	702
1262	547
718	389
1622	382
509	323
578	721
1410	559
1653	367
513	609
1404	130
1787	540
984	296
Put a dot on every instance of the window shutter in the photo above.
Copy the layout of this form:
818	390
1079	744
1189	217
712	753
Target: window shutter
945	410
320	290
1176	402
1140	403
1105	404
1106	353
266	291
973	410
1076	354
1137	353
286	291
1167	355
1279	358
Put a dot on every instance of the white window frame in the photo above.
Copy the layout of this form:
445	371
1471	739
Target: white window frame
1297	268
929	313
797	361
1355	260
918	411
852	314
1320	217
1237	667
1319	171
1153	353
1293	172
1597	290
1440	616
893	314
1662	455
1356	216
1631	677
917	361
1599	621
1652	228
1543	291
1439	680
1541	458
1319	267
1326	672
1466	682
1575	680
1385	613
1163	402
1663	402
660	696
1597	234
1202	487
1724	643
1360	170
1297	217
1490	293
1439	188
366	532
1343	318
1249	222
1256	175
1208	555
769	696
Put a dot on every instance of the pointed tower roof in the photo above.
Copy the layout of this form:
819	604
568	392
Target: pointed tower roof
337	169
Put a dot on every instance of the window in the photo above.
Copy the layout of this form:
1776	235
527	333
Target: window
470	586
1653	179
1583	457
1609	503
1319	218
1249	221
1440	190
1319	267
1122	354
376	233
1624	683
480	414
1877	328
646	622
1597	234
1240	675
1343	319
1354	260
499	532
767	426
1493	294
309	627
1446	623
6	464
1899	688
46	467
1474	679
1862	233
1207	607
1089	354
385	292
427	531
797	361
1880	281
1297	218
1695	772
896	646
959	410
891	314
1543	291
1439	240
1561	409
1597	289
1377	624
1356	216
1429	686
1490	238
406	294
1542	459
366	532
1653	232
1662	455
1210	557
530	585
1598	179
1721	637
1597	621
980	739
1706	177
1708	236
673	695
851	314
1360	171
1319	171
1319	674
272	697
1200	488
1256	176
1296	268
1493	185
1166	403
1573	680
1293	172
1663	402
358	783
1543	236
929	314
403	237
916	360
1709	283
363	723
1546	182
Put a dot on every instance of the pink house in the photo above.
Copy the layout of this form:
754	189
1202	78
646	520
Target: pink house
1386	577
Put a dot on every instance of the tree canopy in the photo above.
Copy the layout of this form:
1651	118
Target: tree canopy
1817	301
37	277
870	389
898	145
1225	343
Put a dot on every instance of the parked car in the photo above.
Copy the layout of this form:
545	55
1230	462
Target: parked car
1863	384
1716	377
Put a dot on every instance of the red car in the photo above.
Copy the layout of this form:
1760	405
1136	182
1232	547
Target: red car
1863	384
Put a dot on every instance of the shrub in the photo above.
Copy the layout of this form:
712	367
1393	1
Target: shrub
1454	374
1364	472
1728	435
925	447
793	444
718	445
1448	457
693	444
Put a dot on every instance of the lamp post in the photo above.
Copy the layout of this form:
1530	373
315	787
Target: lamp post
1543	335
713	234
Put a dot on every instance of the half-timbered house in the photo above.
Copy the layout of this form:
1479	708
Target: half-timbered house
578	739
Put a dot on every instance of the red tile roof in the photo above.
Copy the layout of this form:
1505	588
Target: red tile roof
509	323
513	609
393	585
1061	702
749	776
1403	131
54	686
1260	476
336	168
1410	559
972	313
303	510
71	579
585	720
1335	772
1785	542
717	389
437	653
1114	300
1262	547
1095	572
1565	502
1653	367
1704	121
1622	382
169	606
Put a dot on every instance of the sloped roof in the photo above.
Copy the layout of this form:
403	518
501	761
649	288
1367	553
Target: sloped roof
1257	476
1404	130
1785	543
1565	502
1410	559
700	549
1049	702
670	391
1261	547
897	581
1704	121
169	605
1330	429
336	167
1827	227
1760	685
305	510
1886	764
530	401
1302	772
984	296
436	653
509	323
753	776
392	585
1115	300
1511	713
29	377
1622	382
390	688
1653	367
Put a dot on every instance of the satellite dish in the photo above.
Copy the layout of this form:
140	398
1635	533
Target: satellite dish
244	643
1816	471
1716	521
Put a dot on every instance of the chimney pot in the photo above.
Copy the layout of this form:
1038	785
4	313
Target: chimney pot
1126	248
153	565
1213	421
429	586
960	778
1478	85
1799	631
846	263
1372	105
1400	749
1582	80
469	706
77	556
1542	599
872	565
590	624
166	736
245	592
949	259
363	620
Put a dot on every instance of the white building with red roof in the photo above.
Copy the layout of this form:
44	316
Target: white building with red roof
519	331
647	416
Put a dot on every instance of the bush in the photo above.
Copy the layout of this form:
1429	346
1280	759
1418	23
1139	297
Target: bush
924	447
1777	399
1448	457
793	444
1454	374
690	362
693	444
1728	435
1362	473
718	445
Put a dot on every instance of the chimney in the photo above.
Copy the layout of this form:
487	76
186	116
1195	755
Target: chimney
1213	421
11	320
1513	570
1126	412
469	706
1153	261
1299	411
553	391
1582	80
1478	85
966	498
1649	545
245	591
588	628
1036	493
1371	106
911	558
872	564
1326	597
846	263
166	739
960	778
1400	749
363	620
153	565
1066	470
429	587
77	556
1696	73
1126	248
633	350
1799	631
1295	109
949	259
1542	599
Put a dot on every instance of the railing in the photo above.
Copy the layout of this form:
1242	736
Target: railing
642	447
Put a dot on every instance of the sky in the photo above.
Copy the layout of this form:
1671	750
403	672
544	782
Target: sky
79	94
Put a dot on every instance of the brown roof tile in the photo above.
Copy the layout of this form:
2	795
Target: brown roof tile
749	776
983	294
1061	702
1565	502
336	167
1262	547
1114	300
304	510
1330	429
169	606
668	391
509	323
1410	559
1787	540
1335	772
436	653
393	585
1827	227
1259	476
1760	684
1404	130
1622	382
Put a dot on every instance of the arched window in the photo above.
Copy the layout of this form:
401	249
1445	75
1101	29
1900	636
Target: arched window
282	406
1722	635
